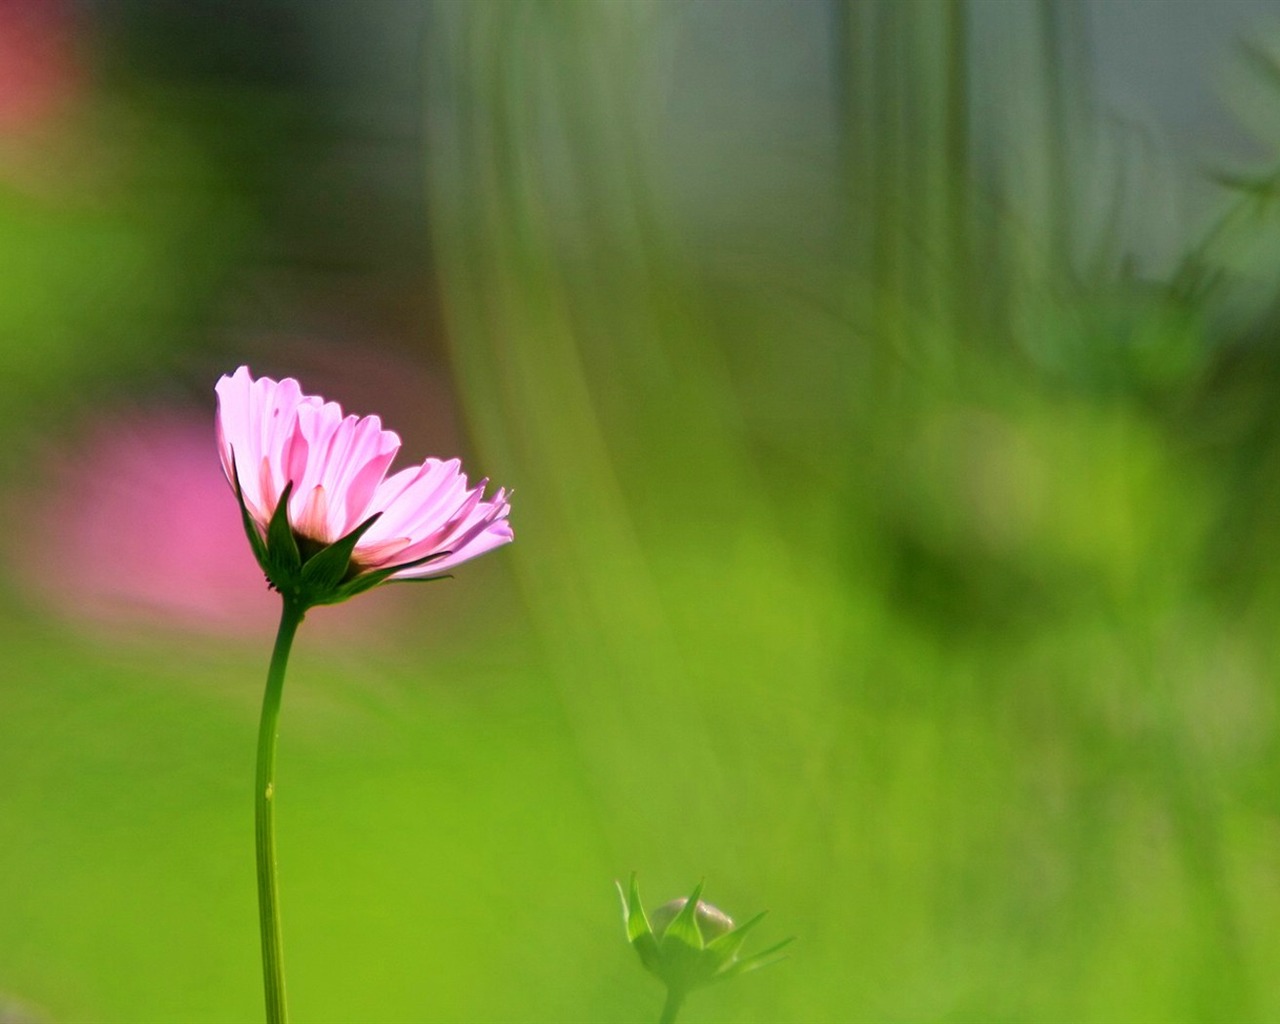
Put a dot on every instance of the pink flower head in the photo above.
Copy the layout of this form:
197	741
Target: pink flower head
324	518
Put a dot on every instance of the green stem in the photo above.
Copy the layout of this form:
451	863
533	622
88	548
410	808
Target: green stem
264	800
672	1006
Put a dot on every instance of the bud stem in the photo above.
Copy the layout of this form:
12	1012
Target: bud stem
672	1006
265	784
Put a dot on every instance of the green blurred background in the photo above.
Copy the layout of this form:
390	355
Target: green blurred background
892	400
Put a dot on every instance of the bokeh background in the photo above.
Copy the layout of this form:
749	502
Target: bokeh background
891	394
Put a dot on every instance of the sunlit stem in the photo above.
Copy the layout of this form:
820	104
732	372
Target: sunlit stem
264	801
675	997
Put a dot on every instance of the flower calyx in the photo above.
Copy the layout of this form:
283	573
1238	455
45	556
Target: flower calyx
688	943
305	572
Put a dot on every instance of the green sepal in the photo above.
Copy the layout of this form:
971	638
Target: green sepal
434	557
633	910
325	569
418	579
639	932
725	947
283	559
650	954
757	960
357	585
250	527
391	571
685	965
684	926
369	580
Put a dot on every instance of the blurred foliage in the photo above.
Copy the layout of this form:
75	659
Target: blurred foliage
915	581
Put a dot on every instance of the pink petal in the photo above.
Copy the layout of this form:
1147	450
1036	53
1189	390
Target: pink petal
313	520
425	505
484	537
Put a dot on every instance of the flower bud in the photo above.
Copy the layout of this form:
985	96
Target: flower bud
688	943
712	922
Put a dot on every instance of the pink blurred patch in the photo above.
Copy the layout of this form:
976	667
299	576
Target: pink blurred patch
137	529
39	68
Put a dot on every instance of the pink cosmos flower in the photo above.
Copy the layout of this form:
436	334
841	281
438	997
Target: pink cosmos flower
323	516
